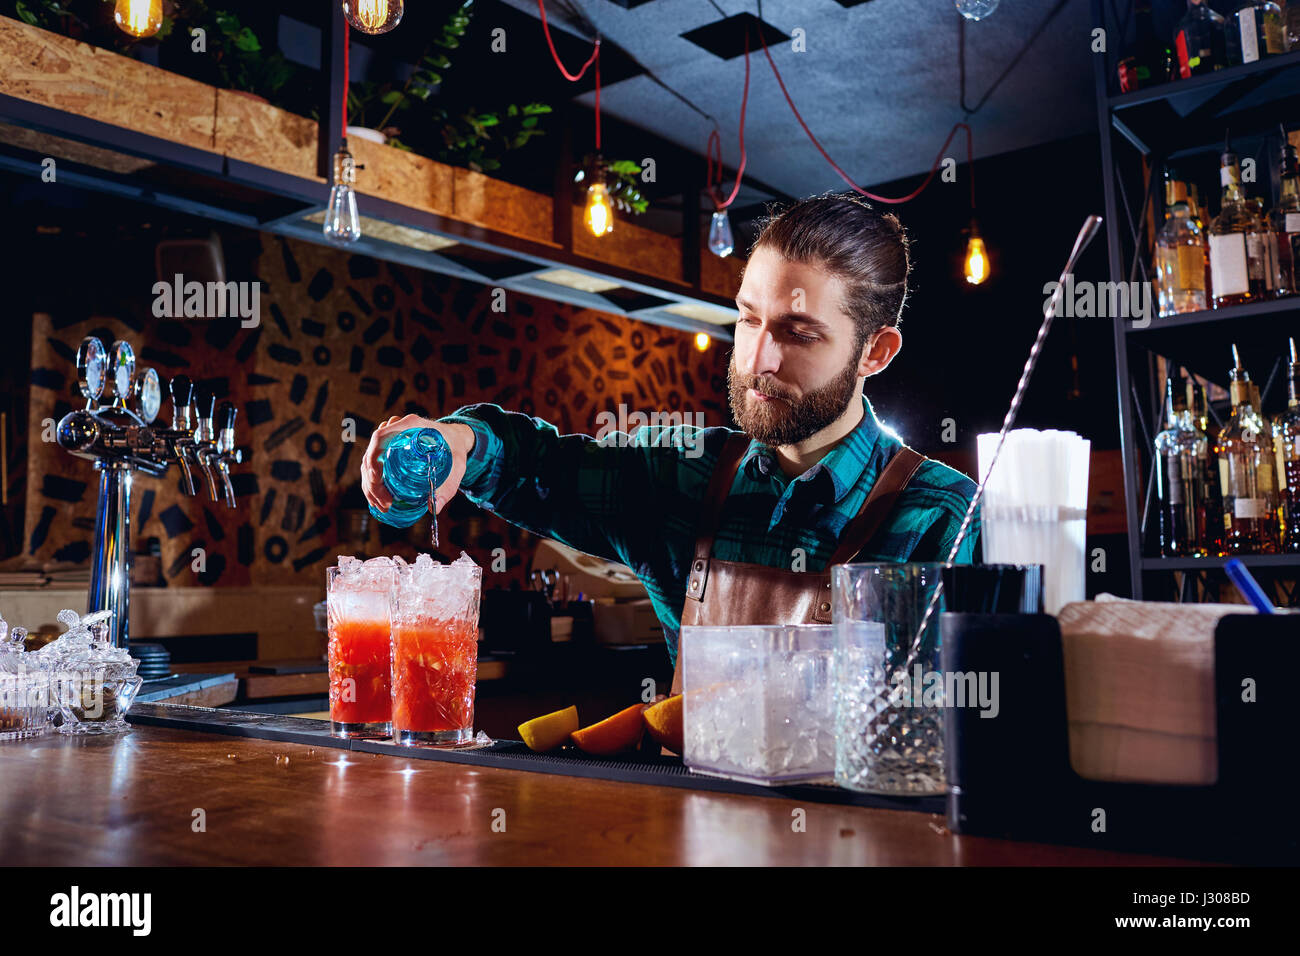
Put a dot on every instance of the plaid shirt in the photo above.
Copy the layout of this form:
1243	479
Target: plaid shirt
636	498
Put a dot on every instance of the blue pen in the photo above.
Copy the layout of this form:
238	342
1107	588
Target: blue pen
1248	586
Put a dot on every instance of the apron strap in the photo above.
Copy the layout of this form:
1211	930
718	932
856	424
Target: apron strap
724	473
880	502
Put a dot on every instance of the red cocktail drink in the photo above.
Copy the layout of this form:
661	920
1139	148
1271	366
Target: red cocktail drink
434	610
360	652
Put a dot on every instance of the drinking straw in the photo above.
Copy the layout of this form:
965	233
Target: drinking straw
1086	233
1249	587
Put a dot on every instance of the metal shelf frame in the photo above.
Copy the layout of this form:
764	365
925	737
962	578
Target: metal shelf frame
1140	130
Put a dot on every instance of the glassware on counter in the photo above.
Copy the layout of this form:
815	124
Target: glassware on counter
757	702
359	646
888	702
434	612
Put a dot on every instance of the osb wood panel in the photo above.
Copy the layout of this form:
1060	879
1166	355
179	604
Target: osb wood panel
256	132
65	74
345	336
44	144
502	206
630	246
720	276
403	177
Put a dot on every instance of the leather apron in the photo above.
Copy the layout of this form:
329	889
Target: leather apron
725	593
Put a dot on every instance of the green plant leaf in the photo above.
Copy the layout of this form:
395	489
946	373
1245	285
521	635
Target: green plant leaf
391	97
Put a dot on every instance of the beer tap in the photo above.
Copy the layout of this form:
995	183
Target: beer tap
179	447
122	440
205	446
227	453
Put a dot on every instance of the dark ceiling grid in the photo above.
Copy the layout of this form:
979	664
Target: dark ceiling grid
878	85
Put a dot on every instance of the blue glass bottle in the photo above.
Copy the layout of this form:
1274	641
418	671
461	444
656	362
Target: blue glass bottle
408	461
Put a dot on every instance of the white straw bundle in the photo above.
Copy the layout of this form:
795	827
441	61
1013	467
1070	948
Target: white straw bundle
1035	506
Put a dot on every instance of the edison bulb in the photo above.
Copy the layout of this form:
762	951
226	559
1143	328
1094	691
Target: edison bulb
702	341
342	224
599	215
721	242
373	16
977	261
139	18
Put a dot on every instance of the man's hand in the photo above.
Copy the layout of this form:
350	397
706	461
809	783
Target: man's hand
460	439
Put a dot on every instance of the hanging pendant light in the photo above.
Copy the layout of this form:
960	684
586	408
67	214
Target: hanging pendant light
702	341
977	258
599	214
138	18
976	9
373	16
342	224
721	242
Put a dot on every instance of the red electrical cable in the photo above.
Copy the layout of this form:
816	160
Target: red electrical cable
716	140
347	77
970	153
571	77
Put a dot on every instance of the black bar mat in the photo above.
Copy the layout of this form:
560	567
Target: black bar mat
651	769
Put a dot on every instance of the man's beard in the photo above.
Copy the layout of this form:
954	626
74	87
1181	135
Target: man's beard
785	420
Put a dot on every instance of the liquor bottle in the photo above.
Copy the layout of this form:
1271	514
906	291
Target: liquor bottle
1236	246
1267	241
1198	40
1180	255
1209	518
414	463
1289	442
1238	450
1176	472
1270	532
1144	67
1292	18
1252	31
1284	220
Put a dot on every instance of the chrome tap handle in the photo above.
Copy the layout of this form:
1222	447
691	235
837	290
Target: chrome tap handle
223	469
177	449
226	427
182	390
206	402
205	462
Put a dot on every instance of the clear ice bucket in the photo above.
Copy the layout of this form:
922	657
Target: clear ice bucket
758	703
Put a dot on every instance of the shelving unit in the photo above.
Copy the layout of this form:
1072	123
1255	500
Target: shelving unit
1139	131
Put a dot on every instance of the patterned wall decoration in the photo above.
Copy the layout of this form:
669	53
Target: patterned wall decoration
345	337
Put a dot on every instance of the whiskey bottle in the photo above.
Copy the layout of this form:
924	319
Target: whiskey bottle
1236	246
1284	220
1198	40
1238	451
1207	540
1267	241
1269	529
1176	467
1288	440
1180	255
1252	31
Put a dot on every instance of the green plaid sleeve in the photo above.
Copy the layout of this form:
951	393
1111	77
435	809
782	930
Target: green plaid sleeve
581	491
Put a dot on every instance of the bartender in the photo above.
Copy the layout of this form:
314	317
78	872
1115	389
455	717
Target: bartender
727	527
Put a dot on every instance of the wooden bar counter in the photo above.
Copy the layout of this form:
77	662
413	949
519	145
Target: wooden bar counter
139	799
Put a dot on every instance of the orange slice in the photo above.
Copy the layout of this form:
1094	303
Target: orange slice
663	721
612	735
549	731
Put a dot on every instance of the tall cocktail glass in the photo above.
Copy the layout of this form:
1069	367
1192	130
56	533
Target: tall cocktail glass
434	610
360	665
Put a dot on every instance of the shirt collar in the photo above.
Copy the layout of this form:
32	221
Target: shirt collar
840	468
